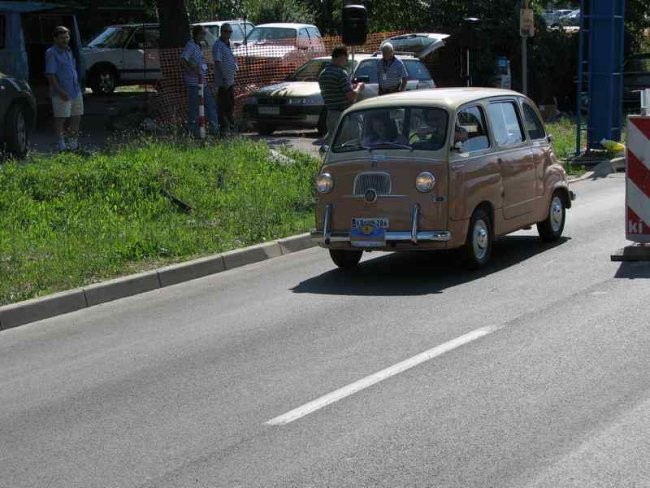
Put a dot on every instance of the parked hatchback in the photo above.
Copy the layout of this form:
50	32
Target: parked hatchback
17	115
280	47
438	169
297	102
125	54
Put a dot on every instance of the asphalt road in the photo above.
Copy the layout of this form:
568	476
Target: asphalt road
534	373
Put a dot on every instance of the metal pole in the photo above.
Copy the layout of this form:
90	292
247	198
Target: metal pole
524	58
524	65
467	73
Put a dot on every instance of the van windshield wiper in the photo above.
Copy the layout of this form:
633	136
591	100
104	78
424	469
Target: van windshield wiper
390	144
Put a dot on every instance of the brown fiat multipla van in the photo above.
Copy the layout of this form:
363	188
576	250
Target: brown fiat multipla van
438	169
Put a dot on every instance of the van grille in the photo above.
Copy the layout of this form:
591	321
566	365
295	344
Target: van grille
380	182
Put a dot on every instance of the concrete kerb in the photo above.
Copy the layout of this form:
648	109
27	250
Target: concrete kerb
21	313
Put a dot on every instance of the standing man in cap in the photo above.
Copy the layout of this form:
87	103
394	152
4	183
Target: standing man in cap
67	99
392	73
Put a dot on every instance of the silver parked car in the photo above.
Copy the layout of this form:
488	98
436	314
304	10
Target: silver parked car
297	101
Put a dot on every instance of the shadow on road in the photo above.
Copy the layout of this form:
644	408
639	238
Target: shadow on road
420	273
633	270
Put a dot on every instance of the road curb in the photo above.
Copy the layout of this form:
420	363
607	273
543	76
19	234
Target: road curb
16	314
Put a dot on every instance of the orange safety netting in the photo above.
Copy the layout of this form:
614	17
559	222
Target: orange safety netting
259	65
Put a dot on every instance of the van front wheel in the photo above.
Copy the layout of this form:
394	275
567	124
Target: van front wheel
550	229
345	259
478	245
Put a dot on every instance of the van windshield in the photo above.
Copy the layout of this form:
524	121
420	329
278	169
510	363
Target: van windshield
111	37
412	128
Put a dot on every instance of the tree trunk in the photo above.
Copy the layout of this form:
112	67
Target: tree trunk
169	102
174	23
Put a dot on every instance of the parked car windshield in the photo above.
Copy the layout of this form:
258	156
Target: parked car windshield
111	37
311	69
262	34
421	128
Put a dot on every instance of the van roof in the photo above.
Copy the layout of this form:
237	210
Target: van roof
446	97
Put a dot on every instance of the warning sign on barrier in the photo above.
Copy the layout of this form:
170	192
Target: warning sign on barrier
637	192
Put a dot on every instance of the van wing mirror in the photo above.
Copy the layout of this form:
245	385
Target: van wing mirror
458	147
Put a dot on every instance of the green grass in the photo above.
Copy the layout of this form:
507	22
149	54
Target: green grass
71	220
564	143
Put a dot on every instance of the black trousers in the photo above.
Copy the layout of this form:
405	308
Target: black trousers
226	105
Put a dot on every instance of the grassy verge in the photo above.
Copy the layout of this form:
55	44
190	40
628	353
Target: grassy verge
564	143
70	220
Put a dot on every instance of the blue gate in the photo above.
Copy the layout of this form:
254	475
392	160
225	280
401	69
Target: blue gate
601	39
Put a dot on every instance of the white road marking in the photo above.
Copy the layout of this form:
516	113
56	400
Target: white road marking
375	378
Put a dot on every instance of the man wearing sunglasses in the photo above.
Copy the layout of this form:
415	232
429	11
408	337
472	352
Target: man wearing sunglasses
225	67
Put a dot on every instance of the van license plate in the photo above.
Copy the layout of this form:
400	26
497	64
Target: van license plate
368	232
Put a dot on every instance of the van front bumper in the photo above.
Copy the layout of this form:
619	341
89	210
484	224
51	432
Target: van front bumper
326	236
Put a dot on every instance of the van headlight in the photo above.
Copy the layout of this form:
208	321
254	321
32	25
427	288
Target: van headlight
425	181
324	183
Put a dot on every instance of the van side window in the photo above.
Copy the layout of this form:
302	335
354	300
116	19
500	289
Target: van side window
2	31
470	122
534	126
505	123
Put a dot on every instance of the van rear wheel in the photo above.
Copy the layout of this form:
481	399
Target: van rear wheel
345	259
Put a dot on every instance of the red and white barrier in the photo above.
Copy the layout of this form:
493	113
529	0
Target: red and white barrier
637	192
201	107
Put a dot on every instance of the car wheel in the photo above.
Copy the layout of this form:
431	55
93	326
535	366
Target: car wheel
322	123
550	229
17	130
265	129
345	259
478	245
102	81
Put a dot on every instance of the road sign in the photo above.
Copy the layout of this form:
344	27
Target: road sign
637	191
637	182
526	22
